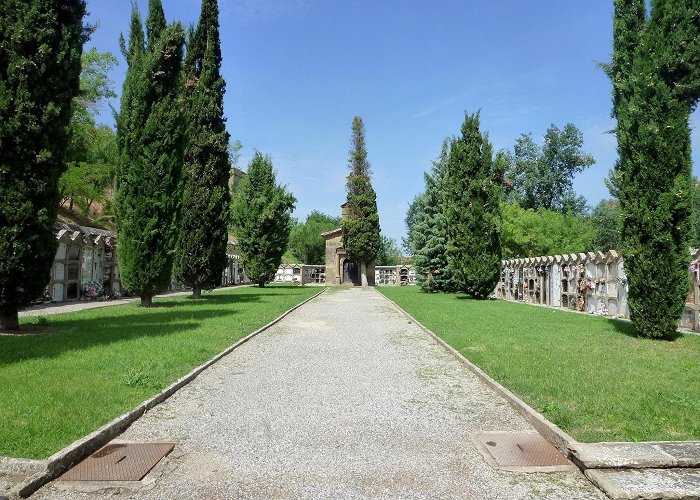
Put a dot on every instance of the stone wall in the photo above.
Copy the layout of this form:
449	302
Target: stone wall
593	282
395	275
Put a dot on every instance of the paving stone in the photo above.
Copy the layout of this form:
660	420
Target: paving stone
647	484
687	454
628	455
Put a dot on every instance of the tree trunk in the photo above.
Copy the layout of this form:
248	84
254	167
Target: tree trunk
70	205
9	321
196	292
261	284
146	300
363	274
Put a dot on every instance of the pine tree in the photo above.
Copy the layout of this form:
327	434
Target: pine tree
261	220
41	43
430	231
201	255
150	135
361	233
473	211
656	85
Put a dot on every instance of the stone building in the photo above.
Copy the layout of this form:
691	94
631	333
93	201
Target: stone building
85	264
340	270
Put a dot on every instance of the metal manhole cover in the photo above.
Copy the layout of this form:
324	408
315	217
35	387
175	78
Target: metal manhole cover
119	462
521	451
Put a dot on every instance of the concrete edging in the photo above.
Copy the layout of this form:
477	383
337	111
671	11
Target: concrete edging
560	439
62	460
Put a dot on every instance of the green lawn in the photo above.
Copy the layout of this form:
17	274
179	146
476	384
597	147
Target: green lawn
87	368
587	374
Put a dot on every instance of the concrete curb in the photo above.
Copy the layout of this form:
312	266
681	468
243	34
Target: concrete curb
64	459
560	439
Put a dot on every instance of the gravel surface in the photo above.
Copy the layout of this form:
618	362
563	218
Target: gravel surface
81	305
342	399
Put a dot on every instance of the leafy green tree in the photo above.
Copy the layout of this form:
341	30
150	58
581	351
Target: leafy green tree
606	221
40	48
389	253
695	230
473	211
201	252
150	137
543	177
656	84
361	233
261	220
87	181
531	232
414	210
306	244
429	237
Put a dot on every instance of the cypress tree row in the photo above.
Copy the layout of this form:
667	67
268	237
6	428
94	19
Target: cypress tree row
473	211
41	42
361	233
261	220
656	85
150	136
206	199
430	230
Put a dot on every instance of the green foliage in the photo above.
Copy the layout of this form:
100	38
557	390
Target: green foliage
389	253
656	84
414	209
261	220
532	233
473	212
150	137
86	181
361	233
606	221
306	244
201	251
543	177
695	230
40	48
429	233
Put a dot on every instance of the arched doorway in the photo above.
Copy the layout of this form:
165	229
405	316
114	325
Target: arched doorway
350	272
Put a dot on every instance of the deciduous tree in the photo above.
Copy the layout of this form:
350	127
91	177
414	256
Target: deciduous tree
543	176
41	42
305	241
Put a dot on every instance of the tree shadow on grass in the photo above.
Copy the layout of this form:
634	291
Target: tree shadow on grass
84	333
626	328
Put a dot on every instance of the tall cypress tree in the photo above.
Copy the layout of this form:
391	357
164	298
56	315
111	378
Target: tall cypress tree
361	233
150	135
201	255
41	42
430	231
473	211
656	85
261	220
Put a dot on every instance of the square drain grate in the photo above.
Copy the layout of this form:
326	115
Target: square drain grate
119	462
521	451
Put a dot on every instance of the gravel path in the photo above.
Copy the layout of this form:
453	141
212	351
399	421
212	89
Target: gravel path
342	399
81	305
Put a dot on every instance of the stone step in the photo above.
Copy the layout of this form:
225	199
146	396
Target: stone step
654	455
647	484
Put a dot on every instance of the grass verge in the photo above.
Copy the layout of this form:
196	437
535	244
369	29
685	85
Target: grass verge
587	374
84	369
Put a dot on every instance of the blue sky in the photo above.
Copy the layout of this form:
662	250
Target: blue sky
297	71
